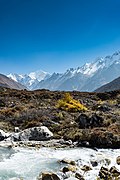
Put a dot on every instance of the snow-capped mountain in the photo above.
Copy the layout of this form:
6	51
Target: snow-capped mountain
10	83
30	80
88	77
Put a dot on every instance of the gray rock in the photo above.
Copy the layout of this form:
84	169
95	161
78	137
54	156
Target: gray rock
3	135
33	134
88	122
94	163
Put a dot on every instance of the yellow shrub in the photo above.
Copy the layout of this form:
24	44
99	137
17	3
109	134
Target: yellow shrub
70	104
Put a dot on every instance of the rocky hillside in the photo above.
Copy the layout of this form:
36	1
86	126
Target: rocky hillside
9	83
91	119
112	86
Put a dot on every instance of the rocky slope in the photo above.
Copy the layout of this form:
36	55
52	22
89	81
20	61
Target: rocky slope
89	119
9	83
112	86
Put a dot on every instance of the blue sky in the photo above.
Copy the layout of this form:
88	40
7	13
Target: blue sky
55	35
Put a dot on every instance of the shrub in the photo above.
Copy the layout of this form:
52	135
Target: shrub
70	104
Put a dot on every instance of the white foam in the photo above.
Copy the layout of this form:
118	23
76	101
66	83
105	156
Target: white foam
28	163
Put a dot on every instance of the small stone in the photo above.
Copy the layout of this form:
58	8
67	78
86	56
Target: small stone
66	161
69	168
94	163
118	160
86	168
65	169
79	176
107	161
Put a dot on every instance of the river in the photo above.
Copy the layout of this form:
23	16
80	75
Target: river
27	163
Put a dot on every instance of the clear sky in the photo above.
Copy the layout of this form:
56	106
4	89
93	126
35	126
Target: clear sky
54	35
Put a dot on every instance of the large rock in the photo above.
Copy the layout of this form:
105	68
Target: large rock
105	174
3	135
89	122
48	176
114	171
33	134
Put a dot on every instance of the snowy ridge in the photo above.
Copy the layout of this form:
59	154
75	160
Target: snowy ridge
88	77
30	80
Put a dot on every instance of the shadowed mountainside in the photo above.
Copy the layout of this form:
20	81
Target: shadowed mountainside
112	86
9	83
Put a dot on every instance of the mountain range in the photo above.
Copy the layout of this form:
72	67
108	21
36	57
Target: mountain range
88	77
30	80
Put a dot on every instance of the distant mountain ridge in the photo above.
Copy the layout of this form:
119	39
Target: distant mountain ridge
88	77
9	83
29	80
112	86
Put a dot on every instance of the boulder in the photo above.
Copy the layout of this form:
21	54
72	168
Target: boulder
111	174
67	161
105	174
48	176
114	171
89	122
33	134
3	135
118	160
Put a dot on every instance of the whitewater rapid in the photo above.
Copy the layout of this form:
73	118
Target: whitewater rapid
28	163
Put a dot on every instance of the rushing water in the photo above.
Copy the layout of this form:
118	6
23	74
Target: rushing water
28	163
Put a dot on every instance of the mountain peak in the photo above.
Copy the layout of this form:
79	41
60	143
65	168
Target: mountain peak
88	77
39	75
30	80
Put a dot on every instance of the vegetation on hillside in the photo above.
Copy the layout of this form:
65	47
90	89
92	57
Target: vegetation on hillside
69	104
65	114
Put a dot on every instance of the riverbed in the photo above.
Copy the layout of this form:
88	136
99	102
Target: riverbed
28	163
